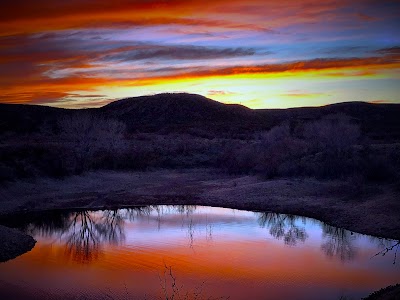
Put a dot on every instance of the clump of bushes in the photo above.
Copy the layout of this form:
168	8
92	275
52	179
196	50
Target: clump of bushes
327	148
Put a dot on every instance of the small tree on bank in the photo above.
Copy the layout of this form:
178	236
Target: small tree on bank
87	136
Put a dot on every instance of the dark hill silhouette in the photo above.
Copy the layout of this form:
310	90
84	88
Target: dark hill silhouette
178	112
199	115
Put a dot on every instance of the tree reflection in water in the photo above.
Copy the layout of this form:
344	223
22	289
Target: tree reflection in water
388	246
83	232
283	226
83	238
338	243
185	209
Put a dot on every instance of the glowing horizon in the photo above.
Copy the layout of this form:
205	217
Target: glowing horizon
261	54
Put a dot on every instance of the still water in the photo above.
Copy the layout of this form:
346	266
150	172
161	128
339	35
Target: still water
194	252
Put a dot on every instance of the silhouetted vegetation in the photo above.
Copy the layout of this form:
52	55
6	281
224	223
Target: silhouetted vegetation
328	148
326	144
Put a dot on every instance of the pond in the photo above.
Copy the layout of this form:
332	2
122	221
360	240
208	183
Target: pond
194	252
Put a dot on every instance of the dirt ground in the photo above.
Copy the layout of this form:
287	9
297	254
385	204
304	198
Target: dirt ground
391	292
14	243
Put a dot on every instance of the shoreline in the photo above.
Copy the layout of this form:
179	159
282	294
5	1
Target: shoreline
250	208
372	210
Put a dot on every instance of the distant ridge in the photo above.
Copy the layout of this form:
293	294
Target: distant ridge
191	113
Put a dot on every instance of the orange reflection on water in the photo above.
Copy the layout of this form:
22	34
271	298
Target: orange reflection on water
223	263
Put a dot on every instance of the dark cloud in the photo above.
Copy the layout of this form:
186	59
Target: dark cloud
389	51
300	66
141	52
344	50
71	50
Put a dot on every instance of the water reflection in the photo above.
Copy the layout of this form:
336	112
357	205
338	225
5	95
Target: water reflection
185	209
85	233
242	254
389	246
338	242
283	226
82	241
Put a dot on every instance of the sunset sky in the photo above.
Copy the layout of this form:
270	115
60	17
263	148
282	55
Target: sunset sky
260	53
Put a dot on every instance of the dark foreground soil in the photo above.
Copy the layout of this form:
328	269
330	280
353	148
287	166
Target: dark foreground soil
392	292
14	243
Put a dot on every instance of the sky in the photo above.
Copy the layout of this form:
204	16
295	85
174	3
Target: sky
258	53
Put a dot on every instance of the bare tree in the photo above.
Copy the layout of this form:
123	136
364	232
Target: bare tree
87	135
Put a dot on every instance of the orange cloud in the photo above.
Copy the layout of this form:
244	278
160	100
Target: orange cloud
29	17
379	101
303	95
50	51
291	67
36	16
39	89
218	92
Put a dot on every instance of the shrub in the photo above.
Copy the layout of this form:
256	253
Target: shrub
238	157
332	134
278	152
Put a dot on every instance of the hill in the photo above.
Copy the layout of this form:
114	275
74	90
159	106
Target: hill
199	115
21	118
179	112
